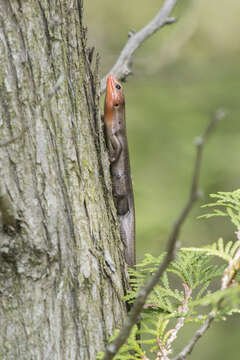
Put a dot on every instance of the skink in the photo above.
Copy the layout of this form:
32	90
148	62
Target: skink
117	144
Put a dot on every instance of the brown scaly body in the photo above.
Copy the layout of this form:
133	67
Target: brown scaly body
116	137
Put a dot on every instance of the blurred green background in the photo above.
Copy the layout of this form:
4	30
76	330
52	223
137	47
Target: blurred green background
182	75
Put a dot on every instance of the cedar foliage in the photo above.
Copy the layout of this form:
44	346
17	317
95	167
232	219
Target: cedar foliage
190	289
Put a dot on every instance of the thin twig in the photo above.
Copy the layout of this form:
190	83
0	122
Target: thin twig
143	293
166	349
200	141
195	192
198	334
122	67
184	309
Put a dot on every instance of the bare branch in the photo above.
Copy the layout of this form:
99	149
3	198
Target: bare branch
166	349
195	192
198	334
143	293
122	67
200	141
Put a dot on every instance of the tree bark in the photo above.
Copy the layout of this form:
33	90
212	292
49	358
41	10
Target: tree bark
62	270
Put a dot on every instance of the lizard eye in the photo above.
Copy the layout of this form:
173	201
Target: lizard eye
118	87
116	105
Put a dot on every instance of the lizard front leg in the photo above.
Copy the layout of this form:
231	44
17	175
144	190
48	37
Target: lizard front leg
115	149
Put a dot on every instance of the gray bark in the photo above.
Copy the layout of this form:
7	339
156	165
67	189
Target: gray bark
62	271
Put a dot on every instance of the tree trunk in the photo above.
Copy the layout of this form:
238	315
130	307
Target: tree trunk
62	271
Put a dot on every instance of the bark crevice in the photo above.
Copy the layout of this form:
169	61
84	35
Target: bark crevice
62	270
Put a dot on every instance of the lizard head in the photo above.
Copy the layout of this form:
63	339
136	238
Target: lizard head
114	96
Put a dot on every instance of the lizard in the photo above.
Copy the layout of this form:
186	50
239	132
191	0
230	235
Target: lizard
117	145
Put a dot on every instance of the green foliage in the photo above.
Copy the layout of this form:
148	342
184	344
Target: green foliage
230	201
128	351
163	310
226	252
187	285
190	268
228	294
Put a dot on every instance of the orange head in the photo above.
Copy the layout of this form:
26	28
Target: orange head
114	97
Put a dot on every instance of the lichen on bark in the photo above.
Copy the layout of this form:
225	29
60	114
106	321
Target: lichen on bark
62	272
